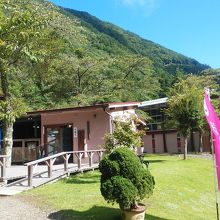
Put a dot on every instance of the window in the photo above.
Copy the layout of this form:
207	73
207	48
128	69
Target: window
157	119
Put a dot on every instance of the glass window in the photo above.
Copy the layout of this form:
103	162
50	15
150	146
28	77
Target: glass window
53	140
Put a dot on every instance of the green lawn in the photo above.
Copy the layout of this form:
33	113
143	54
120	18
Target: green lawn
184	190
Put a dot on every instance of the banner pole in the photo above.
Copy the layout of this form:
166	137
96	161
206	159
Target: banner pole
215	181
214	170
214	165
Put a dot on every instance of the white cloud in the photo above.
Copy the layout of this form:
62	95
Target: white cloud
146	6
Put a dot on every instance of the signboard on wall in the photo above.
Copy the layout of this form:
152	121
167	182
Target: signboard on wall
75	132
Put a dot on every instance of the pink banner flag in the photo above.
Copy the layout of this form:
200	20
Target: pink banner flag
214	124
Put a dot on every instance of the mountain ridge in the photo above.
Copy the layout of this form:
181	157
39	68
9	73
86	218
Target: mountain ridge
112	30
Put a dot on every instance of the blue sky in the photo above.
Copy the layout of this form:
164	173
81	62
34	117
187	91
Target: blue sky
190	27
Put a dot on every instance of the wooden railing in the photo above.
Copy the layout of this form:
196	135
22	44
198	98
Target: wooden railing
20	146
25	150
3	166
49	161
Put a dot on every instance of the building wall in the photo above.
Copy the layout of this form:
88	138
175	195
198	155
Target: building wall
153	143
171	142
147	140
174	143
159	146
206	142
98	119
196	139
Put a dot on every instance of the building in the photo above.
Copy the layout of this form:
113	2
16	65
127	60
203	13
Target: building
46	132
159	139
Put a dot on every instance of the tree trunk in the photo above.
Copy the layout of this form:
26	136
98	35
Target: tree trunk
185	148
7	110
8	141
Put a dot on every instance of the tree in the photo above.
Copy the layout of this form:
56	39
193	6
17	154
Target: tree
21	28
132	78
125	134
185	105
215	94
78	78
83	78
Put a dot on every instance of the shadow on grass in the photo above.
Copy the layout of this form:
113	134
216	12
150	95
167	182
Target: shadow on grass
83	179
155	161
95	213
152	217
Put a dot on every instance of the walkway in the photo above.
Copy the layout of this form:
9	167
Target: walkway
40	176
56	166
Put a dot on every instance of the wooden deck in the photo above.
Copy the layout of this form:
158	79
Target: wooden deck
34	174
40	177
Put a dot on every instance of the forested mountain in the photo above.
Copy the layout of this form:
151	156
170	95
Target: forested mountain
166	64
161	56
82	60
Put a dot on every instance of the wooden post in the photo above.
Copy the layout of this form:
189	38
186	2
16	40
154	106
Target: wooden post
79	157
100	153
30	175
50	165
66	158
90	155
80	160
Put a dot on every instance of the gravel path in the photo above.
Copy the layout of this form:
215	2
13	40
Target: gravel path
203	155
13	208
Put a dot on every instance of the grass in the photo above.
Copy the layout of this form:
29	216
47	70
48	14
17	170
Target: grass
184	190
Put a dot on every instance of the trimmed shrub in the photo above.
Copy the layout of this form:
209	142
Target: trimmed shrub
124	180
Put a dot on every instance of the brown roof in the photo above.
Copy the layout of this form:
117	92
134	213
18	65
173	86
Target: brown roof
81	108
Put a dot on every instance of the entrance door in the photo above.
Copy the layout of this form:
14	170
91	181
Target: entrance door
59	138
53	140
67	139
81	140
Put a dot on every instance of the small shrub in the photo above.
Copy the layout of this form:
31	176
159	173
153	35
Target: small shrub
124	180
124	135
